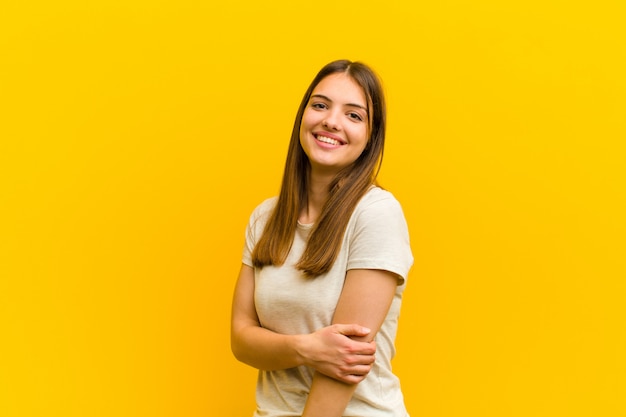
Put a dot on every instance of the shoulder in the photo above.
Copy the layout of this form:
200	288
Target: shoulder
378	212
264	209
377	236
378	215
261	214
378	201
256	225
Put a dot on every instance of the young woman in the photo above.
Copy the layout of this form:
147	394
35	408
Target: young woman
317	301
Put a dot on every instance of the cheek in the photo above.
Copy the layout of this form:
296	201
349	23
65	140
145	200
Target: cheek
303	125
308	117
363	134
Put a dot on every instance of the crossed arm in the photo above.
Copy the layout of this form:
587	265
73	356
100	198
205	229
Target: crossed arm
342	354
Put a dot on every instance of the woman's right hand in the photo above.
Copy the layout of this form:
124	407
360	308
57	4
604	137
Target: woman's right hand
333	352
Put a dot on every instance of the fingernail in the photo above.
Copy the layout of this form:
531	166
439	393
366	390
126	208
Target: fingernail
366	330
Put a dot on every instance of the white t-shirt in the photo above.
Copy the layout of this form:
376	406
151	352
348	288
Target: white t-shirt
287	302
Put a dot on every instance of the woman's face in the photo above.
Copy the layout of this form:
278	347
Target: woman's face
334	129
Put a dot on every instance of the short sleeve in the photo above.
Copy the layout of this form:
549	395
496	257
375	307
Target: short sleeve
255	228
379	237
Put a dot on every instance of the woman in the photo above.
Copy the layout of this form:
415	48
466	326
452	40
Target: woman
316	304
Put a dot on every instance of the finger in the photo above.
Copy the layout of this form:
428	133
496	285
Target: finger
361	370
352	379
352	330
360	360
362	348
366	359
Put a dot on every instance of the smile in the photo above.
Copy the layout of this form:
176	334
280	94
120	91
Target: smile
328	140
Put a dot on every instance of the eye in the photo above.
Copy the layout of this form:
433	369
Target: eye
355	116
319	106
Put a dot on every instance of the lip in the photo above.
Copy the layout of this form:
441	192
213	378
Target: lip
331	136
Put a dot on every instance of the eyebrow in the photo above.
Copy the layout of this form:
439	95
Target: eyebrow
347	104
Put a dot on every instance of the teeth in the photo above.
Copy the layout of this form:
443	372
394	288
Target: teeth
328	140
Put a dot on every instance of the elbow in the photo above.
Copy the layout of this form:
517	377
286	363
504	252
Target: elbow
240	352
236	349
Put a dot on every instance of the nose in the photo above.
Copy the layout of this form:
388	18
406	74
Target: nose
331	121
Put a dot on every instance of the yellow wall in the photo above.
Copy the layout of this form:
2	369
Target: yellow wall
137	136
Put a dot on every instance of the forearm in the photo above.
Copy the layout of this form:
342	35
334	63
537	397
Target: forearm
266	350
328	397
250	342
328	350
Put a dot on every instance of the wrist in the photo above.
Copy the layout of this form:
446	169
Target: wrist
299	346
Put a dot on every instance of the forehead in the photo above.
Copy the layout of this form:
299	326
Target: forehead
340	87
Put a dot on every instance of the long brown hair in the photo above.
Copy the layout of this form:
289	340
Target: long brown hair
345	191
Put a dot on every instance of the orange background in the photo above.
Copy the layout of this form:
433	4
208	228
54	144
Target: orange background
137	136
